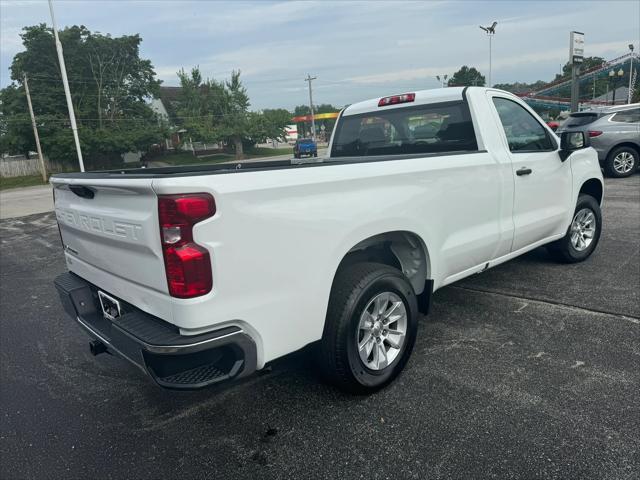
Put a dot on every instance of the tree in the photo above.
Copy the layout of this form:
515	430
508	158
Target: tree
466	76
270	123
213	111
109	83
587	64
521	87
16	133
233	124
199	105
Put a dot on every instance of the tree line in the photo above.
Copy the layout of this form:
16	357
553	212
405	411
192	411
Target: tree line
111	88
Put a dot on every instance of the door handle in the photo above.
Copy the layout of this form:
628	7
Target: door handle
523	171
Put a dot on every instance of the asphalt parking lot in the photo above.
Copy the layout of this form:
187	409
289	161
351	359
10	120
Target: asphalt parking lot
530	370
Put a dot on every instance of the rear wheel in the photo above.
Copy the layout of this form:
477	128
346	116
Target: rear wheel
583	234
370	327
621	162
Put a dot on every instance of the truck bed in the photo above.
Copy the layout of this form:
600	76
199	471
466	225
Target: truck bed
244	166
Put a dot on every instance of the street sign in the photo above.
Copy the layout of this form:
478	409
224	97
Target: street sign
576	47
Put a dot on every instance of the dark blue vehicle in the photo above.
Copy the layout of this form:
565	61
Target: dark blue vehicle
305	146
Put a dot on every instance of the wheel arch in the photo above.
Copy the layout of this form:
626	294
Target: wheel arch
594	188
628	144
401	249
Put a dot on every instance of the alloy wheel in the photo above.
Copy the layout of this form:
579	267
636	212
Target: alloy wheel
583	229
623	162
382	330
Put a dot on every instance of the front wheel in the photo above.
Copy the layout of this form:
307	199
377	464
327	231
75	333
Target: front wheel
583	234
370	327
621	162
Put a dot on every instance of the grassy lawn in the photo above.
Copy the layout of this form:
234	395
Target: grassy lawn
186	158
269	152
17	182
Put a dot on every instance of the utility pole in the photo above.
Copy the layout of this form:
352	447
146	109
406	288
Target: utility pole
67	92
313	120
43	168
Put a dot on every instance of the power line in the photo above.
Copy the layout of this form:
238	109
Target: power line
17	118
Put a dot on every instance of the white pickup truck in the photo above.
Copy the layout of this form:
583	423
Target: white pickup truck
204	274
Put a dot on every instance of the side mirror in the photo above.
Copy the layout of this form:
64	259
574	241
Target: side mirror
572	141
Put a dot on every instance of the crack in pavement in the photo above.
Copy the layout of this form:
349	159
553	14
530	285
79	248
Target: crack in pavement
629	318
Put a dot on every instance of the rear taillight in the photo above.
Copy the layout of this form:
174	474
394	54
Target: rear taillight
187	264
395	99
595	133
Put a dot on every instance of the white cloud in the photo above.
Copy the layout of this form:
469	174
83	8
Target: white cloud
354	48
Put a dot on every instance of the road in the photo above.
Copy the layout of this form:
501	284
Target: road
529	370
18	202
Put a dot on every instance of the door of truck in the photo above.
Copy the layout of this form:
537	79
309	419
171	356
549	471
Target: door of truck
542	182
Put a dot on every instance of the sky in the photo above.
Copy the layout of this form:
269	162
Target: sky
356	49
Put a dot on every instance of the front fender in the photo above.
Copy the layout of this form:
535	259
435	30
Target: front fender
584	167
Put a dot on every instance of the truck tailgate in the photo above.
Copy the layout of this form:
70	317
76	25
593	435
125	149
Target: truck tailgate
111	226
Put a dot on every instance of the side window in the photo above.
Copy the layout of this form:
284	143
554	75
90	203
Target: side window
524	133
627	116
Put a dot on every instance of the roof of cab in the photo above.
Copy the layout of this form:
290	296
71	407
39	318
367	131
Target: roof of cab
435	95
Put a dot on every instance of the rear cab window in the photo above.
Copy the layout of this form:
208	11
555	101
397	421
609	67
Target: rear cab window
430	128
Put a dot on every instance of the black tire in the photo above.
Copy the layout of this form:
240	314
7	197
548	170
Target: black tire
609	163
354	287
315	154
563	250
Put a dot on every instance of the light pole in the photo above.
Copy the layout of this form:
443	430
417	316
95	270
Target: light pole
612	78
490	31
67	92
630	74
442	79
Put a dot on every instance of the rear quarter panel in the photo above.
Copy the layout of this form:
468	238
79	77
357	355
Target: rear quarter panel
278	236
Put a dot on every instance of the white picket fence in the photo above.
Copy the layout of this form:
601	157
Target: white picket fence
18	167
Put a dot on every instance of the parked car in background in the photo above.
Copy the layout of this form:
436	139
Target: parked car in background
553	125
614	133
305	146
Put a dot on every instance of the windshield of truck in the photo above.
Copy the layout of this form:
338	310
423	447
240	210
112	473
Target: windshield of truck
440	127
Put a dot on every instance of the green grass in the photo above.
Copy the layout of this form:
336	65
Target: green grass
269	152
186	158
17	182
